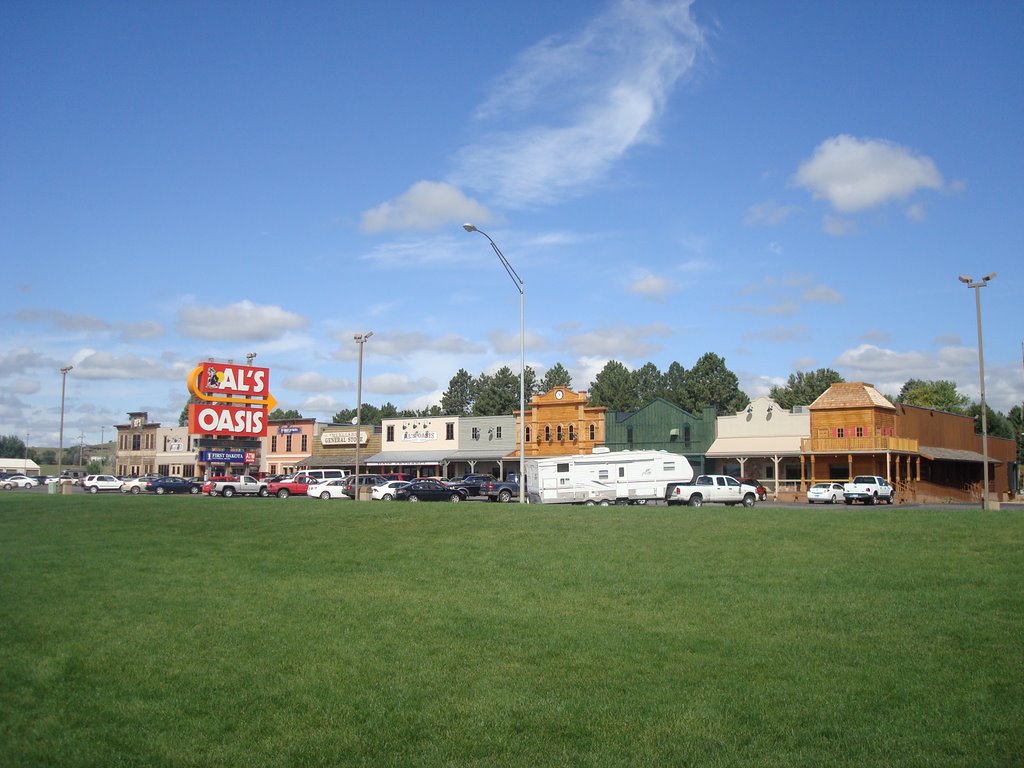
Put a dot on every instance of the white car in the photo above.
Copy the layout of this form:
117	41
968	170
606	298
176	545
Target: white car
137	485
328	489
19	481
97	483
386	491
825	493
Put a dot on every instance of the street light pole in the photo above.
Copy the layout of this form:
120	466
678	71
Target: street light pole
360	339
969	282
522	355
60	444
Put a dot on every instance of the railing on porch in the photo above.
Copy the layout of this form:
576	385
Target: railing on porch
842	444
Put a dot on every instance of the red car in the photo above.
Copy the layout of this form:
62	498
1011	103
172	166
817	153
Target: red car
291	486
762	492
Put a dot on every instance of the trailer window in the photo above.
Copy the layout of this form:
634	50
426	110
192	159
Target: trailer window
669	466
622	471
562	467
602	474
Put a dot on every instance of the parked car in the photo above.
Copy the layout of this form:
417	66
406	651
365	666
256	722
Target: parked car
138	484
824	493
291	486
471	483
19	481
762	492
97	483
386	491
162	485
430	490
365	481
327	489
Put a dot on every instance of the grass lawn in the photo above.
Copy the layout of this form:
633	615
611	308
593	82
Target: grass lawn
157	631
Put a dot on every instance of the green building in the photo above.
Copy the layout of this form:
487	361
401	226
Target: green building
662	426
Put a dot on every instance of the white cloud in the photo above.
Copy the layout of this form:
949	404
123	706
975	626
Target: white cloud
652	287
425	206
23	387
624	343
577	104
397	384
917	212
837	227
98	364
312	381
243	321
822	294
769	213
855	174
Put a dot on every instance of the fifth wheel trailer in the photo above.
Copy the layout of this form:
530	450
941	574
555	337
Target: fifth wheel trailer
605	477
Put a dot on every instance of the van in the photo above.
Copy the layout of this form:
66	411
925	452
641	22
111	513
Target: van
322	474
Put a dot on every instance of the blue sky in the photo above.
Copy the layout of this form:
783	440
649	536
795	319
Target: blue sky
790	186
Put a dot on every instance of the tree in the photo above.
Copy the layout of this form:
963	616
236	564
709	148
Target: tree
613	388
675	384
498	395
648	383
711	384
458	399
556	376
940	395
12	447
803	388
998	425
278	414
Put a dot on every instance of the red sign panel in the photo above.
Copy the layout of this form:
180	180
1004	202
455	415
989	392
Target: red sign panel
212	419
229	379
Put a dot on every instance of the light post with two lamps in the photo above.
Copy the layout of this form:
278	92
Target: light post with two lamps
522	354
360	339
977	286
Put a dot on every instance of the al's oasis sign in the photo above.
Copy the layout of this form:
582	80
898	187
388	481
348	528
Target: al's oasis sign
233	400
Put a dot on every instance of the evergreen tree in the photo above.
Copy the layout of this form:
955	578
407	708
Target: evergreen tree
803	388
498	395
648	383
458	399
277	414
998	425
941	395
556	376
711	383
613	388
675	385
12	447
344	416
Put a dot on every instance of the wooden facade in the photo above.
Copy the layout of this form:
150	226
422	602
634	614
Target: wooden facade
662	426
560	423
925	454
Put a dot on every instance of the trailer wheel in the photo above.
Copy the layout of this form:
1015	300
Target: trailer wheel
696	500
589	503
603	502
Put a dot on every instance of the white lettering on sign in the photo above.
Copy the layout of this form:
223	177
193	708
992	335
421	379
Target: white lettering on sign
343	438
234	379
227	420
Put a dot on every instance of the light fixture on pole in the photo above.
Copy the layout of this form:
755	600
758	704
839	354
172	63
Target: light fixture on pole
977	286
60	444
360	339
522	354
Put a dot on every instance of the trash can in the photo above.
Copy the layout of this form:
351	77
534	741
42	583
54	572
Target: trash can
66	486
51	487
365	493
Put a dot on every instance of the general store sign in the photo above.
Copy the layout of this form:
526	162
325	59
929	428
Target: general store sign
343	438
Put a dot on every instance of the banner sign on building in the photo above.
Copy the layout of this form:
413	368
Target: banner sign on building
227	457
230	379
289	430
343	438
234	400
227	420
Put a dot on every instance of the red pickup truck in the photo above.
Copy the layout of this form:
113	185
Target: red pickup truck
291	486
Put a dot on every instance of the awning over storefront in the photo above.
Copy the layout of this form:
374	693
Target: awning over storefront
742	447
407	458
954	454
477	455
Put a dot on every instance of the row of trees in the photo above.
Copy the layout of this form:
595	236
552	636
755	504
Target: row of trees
13	447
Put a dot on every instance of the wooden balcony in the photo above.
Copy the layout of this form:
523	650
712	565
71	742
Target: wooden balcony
858	444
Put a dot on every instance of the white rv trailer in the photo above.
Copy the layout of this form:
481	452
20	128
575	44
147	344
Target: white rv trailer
605	477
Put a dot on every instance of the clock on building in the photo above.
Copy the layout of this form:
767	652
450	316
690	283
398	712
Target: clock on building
559	394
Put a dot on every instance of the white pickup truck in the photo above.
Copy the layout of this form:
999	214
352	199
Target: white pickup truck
870	489
245	485
712	489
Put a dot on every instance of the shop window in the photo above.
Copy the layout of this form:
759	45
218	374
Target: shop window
449	430
273	444
288	444
391	433
305	443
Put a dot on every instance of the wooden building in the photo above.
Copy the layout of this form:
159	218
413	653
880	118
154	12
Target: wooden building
662	426
560	423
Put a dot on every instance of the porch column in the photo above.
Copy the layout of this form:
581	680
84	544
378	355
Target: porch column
849	466
802	474
776	460
743	462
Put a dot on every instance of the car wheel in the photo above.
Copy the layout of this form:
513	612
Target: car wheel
283	493
873	499
159	491
228	492
387	497
833	501
8	487
136	490
696	500
505	496
748	500
194	490
892	498
414	498
455	498
264	492
93	488
326	495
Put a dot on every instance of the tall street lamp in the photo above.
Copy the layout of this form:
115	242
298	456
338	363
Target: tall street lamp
522	354
360	339
60	444
969	282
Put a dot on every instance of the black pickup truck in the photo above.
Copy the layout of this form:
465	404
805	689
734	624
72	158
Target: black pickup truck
471	484
502	490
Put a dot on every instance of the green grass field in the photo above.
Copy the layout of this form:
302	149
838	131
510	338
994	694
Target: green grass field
264	632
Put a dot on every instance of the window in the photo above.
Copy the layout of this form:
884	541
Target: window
860	431
840	432
629	435
273	444
449	430
602	474
288	444
497	432
668	466
562	467
593	431
476	433
686	434
547	432
572	432
622	471
527	434
391	433
305	443
136	442
558	433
